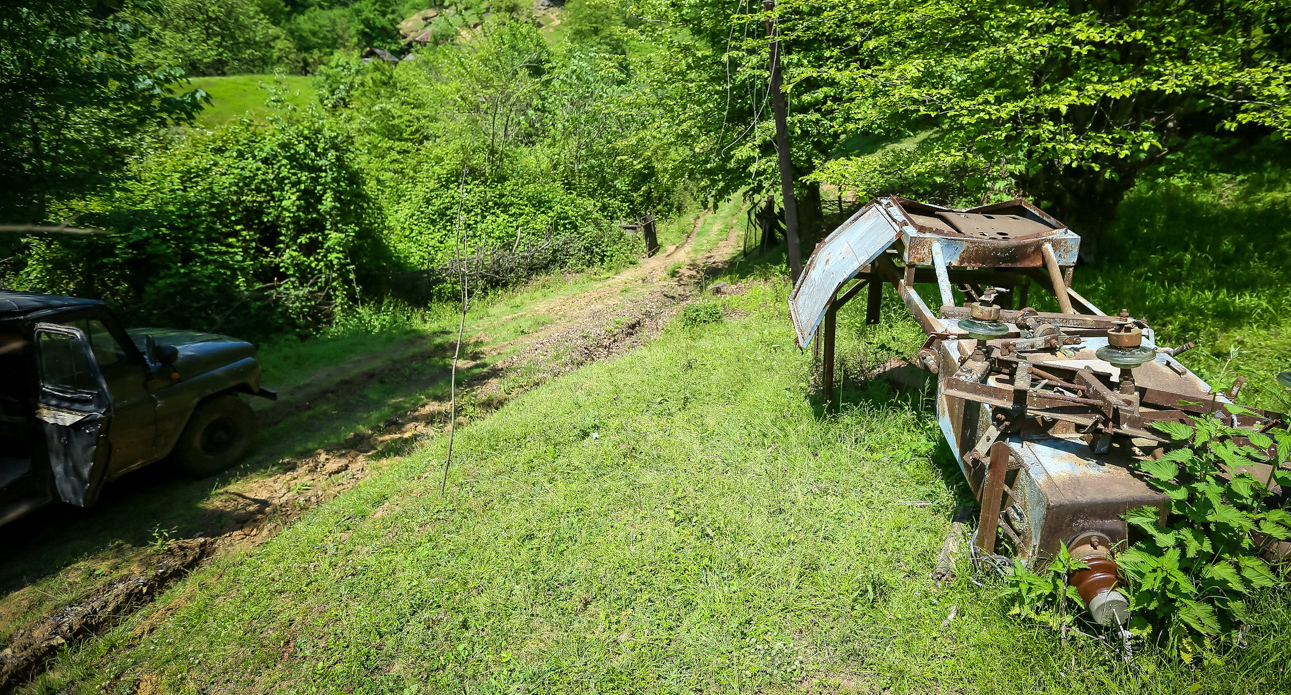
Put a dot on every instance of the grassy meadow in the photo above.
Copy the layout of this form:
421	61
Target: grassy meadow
680	519
244	96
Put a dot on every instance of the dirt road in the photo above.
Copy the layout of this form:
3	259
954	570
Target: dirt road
105	585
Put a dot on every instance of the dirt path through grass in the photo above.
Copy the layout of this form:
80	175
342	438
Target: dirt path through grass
53	598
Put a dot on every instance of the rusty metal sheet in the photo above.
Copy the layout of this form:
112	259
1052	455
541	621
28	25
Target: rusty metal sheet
994	227
978	252
837	259
1069	493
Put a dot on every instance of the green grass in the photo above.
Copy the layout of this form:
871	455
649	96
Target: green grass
74	551
1206	257
681	519
239	96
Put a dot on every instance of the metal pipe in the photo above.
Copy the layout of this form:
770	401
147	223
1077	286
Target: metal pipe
1055	278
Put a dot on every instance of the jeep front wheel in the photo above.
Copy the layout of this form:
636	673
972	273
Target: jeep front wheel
220	432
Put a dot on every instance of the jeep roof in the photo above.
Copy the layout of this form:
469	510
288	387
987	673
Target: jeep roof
14	304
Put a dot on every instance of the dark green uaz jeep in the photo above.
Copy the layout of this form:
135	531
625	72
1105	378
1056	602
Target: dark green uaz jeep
83	401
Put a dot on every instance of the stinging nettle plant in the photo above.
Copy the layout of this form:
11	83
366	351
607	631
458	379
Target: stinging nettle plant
1190	577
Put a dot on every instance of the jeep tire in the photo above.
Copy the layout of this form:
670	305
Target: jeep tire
220	432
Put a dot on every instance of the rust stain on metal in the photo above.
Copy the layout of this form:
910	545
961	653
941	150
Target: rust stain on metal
1072	425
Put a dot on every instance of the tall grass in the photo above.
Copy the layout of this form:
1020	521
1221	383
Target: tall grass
1205	255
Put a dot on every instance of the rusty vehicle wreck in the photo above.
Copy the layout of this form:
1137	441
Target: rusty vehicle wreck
1046	412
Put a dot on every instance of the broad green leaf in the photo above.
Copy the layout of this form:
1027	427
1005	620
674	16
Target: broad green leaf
1260	440
1257	572
1273	530
1194	541
1199	617
1174	430
1278	516
1226	575
1180	455
1231	516
1160	469
1148	519
1239	410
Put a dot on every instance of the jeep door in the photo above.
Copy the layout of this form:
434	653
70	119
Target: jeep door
73	412
134	408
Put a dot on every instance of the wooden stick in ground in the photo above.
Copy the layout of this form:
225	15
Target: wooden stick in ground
461	327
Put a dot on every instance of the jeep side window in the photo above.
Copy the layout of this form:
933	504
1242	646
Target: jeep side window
107	351
63	364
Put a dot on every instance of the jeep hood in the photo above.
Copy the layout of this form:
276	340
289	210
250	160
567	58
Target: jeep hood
198	352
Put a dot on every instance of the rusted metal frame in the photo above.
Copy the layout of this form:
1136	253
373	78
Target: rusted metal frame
1013	361
1100	391
887	270
943	278
1086	305
1055	279
992	497
1003	397
1102	323
829	332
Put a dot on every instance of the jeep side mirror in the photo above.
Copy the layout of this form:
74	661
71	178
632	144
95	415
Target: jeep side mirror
159	354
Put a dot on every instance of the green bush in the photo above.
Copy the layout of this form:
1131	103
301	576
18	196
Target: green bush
245	230
214	37
701	314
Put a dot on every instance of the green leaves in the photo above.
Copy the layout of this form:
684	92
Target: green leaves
1175	430
1189	579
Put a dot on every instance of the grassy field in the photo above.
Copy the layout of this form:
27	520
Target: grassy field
239	96
1205	257
681	519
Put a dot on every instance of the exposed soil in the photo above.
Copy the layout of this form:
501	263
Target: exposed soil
593	325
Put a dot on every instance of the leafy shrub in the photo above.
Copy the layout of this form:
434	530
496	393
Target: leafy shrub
214	37
245	230
1189	578
701	314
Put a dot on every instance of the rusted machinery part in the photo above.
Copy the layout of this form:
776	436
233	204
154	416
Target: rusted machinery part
1097	582
928	360
992	497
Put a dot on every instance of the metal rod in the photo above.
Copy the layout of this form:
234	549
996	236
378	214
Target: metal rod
1055	278
943	278
992	496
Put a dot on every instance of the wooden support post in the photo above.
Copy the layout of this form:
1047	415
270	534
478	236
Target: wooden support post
874	303
827	371
992	497
1055	278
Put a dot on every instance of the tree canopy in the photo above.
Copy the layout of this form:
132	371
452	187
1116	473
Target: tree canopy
75	97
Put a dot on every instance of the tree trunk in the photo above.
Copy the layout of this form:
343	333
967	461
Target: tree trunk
782	149
811	216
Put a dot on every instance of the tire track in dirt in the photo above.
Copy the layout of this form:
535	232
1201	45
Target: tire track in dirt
594	325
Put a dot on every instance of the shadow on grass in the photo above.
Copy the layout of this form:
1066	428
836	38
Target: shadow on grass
160	502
